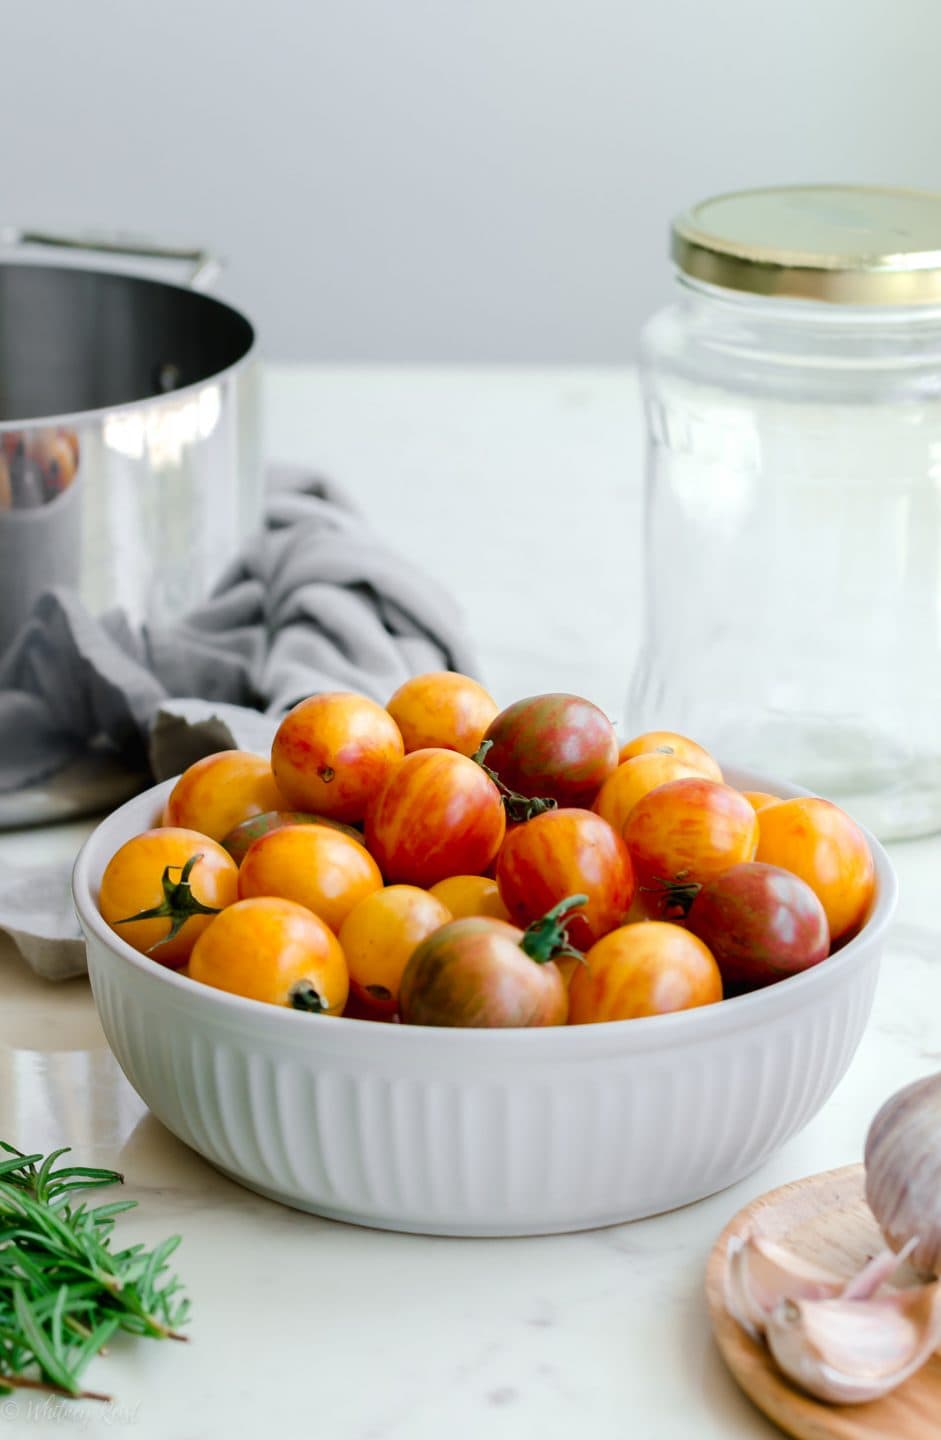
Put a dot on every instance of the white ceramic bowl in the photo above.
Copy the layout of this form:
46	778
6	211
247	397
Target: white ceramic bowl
477	1132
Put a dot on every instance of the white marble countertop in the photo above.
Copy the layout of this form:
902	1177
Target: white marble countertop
521	490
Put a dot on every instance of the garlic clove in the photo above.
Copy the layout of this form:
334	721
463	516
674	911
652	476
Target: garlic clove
850	1351
759	1273
903	1171
876	1272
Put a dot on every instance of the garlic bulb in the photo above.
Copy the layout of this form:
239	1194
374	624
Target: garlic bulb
850	1351
903	1171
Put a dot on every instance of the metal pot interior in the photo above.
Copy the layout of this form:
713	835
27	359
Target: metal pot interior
74	340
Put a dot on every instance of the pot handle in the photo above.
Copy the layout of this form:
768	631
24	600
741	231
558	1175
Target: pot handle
203	266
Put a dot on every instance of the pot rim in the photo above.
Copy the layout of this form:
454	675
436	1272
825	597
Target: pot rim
78	419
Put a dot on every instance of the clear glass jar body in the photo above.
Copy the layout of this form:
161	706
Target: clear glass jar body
793	545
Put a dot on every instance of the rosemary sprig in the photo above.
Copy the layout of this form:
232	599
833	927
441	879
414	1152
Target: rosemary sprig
64	1290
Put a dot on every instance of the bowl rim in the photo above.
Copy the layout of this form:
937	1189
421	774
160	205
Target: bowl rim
706	1021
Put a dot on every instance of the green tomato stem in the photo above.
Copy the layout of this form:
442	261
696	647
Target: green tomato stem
678	893
547	938
304	996
519	808
177	905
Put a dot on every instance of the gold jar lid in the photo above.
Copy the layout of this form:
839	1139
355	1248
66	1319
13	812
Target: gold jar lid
842	244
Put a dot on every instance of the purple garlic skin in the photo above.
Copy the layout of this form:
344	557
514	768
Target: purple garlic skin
903	1171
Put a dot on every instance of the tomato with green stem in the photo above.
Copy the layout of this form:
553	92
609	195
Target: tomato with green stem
481	973
559	747
560	853
275	951
761	923
685	832
438	815
161	889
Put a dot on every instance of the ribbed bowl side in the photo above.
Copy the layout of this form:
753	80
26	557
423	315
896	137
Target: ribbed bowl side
516	1146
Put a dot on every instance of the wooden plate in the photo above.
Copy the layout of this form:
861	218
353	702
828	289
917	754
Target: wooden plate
823	1218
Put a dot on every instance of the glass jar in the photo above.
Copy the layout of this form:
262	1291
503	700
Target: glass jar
793	527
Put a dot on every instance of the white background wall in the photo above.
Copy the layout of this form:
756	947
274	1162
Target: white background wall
453	180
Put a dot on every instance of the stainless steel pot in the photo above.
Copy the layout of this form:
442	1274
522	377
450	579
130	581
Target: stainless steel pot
129	436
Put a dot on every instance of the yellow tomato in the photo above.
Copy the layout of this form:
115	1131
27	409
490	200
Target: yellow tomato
314	865
378	937
667	742
818	841
635	778
652	968
471	895
758	799
165	876
272	950
443	711
567	966
220	791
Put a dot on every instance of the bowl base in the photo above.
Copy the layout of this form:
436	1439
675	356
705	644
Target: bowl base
472	1231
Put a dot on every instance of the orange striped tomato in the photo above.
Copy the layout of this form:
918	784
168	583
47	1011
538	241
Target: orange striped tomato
439	814
648	969
332	753
686	832
567	852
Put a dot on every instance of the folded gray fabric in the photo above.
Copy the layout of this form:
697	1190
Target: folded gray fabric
315	602
36	912
185	730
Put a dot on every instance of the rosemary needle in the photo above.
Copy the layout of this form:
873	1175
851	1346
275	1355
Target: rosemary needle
64	1290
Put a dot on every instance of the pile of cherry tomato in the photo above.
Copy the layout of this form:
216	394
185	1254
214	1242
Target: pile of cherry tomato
36	466
438	862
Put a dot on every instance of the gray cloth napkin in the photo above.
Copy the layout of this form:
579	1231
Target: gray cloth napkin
315	602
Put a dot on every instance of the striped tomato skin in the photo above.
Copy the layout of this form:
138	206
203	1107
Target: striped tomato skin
567	852
439	814
557	746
